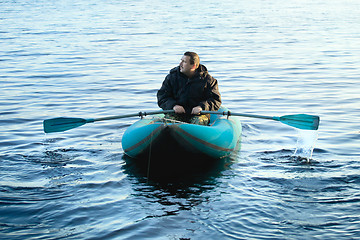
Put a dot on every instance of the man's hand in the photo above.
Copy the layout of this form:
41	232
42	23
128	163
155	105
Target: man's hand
196	110
179	109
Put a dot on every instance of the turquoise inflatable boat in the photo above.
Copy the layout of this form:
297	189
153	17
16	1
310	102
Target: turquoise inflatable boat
161	137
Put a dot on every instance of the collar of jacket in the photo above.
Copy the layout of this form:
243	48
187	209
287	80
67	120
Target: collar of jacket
201	71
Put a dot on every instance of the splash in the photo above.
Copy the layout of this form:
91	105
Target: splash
305	144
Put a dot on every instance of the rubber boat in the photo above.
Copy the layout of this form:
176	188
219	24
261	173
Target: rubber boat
161	137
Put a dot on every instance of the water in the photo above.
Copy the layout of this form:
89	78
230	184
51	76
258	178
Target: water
103	58
305	144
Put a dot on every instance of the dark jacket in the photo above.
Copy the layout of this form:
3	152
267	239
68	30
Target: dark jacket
200	90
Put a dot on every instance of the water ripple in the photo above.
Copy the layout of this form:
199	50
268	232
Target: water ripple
97	59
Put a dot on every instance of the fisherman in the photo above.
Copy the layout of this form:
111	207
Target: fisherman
189	89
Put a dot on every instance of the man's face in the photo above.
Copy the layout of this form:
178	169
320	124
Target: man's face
185	66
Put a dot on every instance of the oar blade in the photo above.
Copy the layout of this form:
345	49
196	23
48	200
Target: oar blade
301	121
62	124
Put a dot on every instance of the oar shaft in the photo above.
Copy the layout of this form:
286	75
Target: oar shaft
139	114
228	113
62	124
301	121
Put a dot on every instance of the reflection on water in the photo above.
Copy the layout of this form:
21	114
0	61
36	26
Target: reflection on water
175	170
179	190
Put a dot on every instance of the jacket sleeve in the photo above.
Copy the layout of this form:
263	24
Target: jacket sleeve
165	97
213	100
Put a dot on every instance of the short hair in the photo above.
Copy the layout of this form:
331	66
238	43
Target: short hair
194	58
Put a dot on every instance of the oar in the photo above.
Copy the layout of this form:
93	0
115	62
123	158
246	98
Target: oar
301	121
63	123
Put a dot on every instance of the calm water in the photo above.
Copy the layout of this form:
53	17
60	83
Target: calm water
102	58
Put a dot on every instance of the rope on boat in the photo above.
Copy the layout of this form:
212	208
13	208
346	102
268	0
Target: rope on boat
165	120
149	159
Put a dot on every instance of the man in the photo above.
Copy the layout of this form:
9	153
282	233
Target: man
189	89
